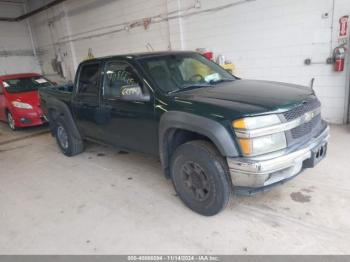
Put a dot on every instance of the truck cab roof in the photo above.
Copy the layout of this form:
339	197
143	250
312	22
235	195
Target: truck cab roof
139	55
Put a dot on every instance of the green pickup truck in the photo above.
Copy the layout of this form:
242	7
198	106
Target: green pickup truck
214	133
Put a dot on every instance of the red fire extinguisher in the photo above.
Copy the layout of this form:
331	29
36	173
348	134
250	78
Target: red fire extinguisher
339	59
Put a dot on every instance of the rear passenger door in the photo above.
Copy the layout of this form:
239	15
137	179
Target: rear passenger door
86	100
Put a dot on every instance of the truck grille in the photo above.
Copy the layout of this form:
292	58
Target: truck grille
305	130
302	109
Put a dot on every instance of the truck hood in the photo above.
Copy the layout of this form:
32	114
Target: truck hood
248	97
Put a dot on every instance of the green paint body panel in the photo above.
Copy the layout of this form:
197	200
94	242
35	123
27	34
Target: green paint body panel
135	125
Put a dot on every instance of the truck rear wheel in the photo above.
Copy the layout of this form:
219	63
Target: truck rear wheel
68	144
201	177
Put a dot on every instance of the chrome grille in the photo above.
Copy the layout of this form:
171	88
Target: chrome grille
306	128
302	109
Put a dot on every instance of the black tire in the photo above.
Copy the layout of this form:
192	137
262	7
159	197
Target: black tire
69	145
201	177
11	121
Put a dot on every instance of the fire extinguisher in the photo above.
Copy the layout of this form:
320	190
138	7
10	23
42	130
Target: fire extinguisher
339	58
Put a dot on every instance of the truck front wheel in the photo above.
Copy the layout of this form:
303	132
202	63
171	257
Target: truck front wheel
68	144
201	177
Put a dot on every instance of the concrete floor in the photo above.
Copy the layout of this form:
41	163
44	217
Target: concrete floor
103	202
7	135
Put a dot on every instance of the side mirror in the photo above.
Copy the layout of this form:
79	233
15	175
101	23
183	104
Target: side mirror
133	93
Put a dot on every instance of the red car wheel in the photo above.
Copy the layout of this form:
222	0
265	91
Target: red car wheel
11	121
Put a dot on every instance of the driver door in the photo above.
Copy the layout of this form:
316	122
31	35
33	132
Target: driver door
128	124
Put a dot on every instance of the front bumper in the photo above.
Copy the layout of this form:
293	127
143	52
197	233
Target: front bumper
258	173
26	118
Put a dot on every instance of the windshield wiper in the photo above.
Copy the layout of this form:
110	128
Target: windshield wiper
188	87
213	82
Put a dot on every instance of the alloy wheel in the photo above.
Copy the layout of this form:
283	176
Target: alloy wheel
11	121
62	137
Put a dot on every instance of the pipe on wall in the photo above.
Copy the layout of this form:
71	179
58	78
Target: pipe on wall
31	13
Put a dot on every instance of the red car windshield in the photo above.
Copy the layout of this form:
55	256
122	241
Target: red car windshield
26	84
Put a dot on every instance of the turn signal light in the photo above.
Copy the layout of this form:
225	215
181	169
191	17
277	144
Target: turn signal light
239	124
245	146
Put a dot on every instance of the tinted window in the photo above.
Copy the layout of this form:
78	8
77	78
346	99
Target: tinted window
89	79
26	84
118	75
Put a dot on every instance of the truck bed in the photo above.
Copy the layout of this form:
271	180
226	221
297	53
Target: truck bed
61	92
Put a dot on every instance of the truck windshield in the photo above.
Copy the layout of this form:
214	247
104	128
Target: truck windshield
174	73
26	84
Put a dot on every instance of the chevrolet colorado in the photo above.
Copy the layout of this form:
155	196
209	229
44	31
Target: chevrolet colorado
214	133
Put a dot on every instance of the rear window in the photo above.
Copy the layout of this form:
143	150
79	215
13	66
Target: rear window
26	84
89	79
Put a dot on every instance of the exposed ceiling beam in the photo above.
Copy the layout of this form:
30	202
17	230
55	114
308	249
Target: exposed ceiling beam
31	13
12	2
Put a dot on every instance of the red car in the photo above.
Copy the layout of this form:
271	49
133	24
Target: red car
19	100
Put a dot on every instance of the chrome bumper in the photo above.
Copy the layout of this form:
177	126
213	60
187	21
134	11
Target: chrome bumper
266	170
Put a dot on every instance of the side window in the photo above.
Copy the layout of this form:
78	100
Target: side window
118	75
89	79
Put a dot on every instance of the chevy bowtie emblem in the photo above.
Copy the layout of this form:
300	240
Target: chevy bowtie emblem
309	116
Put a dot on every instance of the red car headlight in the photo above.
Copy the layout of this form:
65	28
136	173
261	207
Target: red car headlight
21	105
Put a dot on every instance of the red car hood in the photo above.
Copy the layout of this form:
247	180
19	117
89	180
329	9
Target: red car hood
31	97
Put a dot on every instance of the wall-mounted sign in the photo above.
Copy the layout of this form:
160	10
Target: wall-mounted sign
343	30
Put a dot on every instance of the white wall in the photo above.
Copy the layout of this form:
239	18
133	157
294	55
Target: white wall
270	39
71	19
16	50
266	39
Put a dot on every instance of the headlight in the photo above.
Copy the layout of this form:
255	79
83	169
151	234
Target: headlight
262	144
21	105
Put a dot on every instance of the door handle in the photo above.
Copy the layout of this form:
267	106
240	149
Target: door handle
77	102
82	104
106	106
